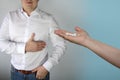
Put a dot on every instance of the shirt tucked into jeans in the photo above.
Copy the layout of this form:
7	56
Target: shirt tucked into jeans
16	75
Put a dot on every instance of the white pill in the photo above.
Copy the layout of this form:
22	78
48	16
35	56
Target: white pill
71	34
74	34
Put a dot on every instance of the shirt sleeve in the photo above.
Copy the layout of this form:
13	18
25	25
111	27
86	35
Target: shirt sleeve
6	44
58	46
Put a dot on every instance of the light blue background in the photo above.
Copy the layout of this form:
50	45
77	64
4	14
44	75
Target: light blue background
100	18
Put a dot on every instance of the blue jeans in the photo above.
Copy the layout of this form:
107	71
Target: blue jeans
16	75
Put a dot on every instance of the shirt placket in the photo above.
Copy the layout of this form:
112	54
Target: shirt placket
26	35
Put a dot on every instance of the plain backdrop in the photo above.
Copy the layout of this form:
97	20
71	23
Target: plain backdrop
100	18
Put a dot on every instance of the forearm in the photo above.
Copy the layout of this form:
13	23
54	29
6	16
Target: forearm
107	52
10	47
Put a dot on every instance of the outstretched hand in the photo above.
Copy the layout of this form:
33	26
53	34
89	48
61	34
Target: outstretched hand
79	37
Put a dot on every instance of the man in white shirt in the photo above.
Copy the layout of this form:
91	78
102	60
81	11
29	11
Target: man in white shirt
25	34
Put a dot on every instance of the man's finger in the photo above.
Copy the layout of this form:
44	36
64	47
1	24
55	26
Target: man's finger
32	37
41	44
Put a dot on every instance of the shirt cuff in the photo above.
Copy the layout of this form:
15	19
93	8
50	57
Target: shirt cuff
21	48
47	65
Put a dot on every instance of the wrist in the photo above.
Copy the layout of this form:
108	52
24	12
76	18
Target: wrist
87	42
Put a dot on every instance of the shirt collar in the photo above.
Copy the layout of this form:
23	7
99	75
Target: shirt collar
35	12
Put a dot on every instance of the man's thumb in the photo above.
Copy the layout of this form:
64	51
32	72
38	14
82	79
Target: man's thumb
32	37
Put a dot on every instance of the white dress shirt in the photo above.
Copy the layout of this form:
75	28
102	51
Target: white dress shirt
17	28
